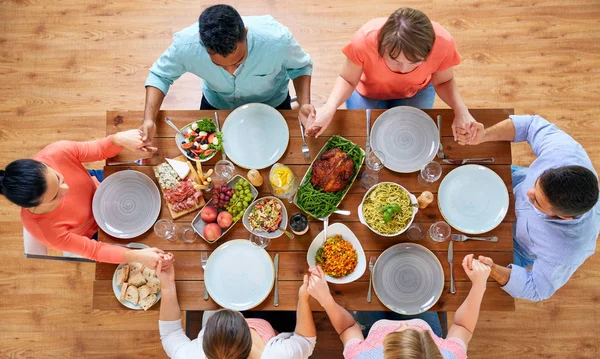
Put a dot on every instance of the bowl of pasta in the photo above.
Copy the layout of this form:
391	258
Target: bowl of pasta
388	209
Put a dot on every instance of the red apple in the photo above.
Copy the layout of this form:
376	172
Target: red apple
209	214
212	231
224	219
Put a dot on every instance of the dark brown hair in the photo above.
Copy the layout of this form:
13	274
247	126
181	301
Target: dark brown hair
571	190
227	336
410	344
407	31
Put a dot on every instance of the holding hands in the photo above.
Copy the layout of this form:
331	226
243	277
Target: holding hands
317	285
477	271
133	141
316	121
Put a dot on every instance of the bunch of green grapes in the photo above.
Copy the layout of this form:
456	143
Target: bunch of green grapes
241	199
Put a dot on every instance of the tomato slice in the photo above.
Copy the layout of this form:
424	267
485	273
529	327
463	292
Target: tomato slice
187	146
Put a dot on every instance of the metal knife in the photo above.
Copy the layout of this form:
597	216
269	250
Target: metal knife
219	130
451	261
469	160
276	301
440	152
368	145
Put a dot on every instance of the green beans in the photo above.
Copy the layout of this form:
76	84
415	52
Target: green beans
320	204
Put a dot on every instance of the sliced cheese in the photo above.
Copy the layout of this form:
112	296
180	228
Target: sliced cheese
181	168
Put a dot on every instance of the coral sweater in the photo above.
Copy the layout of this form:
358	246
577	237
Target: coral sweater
71	225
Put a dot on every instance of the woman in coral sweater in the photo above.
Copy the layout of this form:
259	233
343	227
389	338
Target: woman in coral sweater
55	192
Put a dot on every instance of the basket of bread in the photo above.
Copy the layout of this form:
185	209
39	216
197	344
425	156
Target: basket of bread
136	286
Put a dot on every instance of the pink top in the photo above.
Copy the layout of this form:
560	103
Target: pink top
372	346
71	225
263	328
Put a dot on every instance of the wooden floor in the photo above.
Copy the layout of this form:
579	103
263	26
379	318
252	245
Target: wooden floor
64	63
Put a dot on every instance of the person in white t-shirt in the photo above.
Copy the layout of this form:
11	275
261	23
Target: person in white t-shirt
228	335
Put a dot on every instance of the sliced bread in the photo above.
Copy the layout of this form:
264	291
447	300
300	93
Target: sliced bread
132	295
122	275
154	285
123	291
137	279
148	302
144	291
135	267
148	273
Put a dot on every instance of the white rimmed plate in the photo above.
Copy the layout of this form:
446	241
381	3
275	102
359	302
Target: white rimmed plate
271	235
473	199
126	204
239	275
347	234
408	138
361	217
255	136
117	289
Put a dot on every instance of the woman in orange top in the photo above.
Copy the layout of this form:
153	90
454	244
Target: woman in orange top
55	192
399	61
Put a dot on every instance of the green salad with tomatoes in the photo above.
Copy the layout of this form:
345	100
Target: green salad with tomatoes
202	140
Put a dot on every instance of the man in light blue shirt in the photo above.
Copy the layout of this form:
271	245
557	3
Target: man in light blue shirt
556	204
241	60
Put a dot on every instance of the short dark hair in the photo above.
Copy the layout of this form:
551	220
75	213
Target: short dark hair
407	31
221	29
571	190
227	336
23	182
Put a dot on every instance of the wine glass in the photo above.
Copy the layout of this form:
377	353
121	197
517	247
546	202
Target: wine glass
262	242
166	229
440	231
187	234
415	232
374	164
224	170
429	174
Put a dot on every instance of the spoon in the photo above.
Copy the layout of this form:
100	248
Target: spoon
173	125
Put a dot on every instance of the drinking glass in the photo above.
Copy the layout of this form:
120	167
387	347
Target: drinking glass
429	174
187	234
166	229
224	170
374	164
262	242
415	232
440	231
284	182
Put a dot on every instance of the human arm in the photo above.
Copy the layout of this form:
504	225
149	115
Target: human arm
467	314
340	318
344	85
305	324
169	307
154	99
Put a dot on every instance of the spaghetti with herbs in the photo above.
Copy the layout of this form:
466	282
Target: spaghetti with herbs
386	194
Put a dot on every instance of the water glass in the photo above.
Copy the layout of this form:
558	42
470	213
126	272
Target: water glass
187	234
440	231
415	232
224	170
374	164
429	174
262	242
166	229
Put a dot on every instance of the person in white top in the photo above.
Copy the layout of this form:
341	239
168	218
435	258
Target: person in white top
228	335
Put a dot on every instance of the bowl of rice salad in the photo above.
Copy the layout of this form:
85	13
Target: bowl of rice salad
341	257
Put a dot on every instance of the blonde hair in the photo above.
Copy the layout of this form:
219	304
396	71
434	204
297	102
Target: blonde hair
410	344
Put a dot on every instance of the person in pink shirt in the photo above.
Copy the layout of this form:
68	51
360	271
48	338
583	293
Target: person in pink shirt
55	192
388	339
403	60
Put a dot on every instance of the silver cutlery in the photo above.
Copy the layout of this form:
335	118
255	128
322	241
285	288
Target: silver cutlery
305	150
325	225
451	261
204	258
276	300
371	266
463	237
469	160
170	123
440	152
368	145
342	212
219	130
140	162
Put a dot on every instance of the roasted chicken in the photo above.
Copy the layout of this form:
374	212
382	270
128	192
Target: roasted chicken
332	171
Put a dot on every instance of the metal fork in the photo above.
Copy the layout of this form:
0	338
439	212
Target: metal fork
371	267
305	150
440	153
204	257
139	161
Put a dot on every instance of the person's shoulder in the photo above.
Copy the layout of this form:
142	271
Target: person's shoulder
372	26
441	33
265	28
189	36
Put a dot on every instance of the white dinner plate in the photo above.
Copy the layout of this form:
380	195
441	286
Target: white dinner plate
239	275
126	204
473	199
255	136
408	138
347	234
117	289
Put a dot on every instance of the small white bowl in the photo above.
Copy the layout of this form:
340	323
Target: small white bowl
271	235
348	235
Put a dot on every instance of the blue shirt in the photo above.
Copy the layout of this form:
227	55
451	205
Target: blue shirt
556	247
274	57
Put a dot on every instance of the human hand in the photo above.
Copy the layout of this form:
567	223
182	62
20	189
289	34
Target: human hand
465	122
148	129
303	291
323	118
307	114
477	271
132	140
165	272
149	257
317	285
466	138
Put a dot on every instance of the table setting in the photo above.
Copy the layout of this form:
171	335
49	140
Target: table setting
266	203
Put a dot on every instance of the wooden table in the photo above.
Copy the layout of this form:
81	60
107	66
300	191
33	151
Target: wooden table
292	264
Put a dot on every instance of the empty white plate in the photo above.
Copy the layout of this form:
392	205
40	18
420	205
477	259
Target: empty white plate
239	275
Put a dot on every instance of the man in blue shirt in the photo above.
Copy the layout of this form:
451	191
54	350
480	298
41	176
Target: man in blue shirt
556	204
241	60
